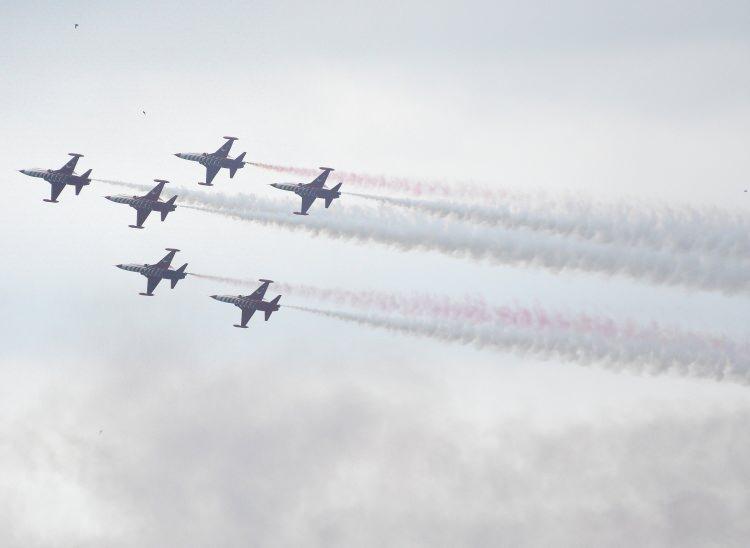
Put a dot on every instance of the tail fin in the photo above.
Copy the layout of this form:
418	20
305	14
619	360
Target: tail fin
181	270
332	197
168	202
274	302
239	159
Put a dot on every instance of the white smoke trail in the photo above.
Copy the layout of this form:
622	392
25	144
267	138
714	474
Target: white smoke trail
686	356
395	184
680	229
404	232
685	230
474	310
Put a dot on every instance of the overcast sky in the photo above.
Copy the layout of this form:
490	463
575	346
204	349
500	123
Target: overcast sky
127	421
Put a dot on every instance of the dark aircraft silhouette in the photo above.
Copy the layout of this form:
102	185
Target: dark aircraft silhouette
310	191
250	303
155	273
147	203
214	161
58	178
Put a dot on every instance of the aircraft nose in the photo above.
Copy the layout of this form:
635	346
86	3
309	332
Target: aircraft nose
214	296
118	265
22	171
178	154
274	185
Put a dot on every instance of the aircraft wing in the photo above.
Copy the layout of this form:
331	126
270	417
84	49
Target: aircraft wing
155	192
57	188
321	179
152	283
211	172
70	165
141	216
224	149
307	201
261	291
167	260
247	313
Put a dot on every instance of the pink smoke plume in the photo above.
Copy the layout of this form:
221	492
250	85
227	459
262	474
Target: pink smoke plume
402	185
474	310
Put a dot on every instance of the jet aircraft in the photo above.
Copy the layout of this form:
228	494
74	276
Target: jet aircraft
214	161
147	203
250	303
155	273
58	178
310	191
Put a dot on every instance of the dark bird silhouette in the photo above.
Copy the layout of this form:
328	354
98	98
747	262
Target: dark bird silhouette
75	26
144	112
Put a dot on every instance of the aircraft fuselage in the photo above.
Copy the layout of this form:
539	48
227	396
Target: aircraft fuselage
56	176
247	303
212	160
139	202
302	190
153	271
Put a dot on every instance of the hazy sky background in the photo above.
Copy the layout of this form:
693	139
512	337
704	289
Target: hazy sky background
309	431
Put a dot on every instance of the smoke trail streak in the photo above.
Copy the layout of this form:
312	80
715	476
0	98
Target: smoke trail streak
684	230
684	355
681	229
471	309
474	310
395	184
404	232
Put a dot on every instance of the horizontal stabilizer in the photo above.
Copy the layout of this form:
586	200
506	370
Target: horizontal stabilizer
206	184
135	226
241	326
265	281
299	213
146	294
230	138
327	168
75	155
160	181
170	249
50	201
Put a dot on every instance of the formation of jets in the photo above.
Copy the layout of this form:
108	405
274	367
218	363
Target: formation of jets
214	161
58	178
309	192
248	304
151	201
147	203
155	273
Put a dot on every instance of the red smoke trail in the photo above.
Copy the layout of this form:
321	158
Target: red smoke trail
395	184
474	311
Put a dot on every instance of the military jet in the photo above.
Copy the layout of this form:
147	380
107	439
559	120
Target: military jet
250	303
58	178
157	272
310	191
147	203
214	161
